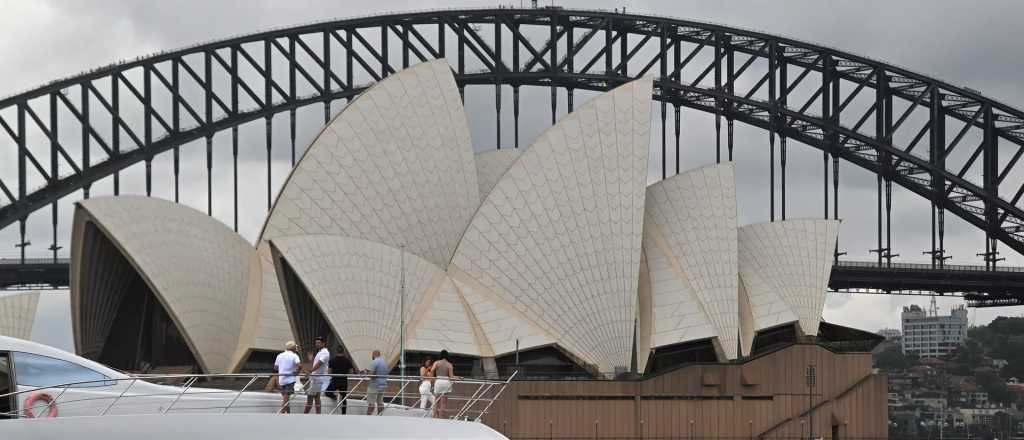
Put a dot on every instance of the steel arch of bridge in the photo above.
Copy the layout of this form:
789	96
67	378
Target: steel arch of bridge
581	50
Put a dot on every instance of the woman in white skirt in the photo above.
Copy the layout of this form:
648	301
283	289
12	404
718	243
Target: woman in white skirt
425	386
442	370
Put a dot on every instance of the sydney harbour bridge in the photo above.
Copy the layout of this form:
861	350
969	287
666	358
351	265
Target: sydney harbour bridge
900	126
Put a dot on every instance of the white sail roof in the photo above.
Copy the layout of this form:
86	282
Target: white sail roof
768	308
395	167
678	313
558	238
18	313
692	216
792	258
196	266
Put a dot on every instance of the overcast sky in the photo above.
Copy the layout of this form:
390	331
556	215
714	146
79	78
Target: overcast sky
975	44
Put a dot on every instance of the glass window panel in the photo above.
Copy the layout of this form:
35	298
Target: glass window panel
41	371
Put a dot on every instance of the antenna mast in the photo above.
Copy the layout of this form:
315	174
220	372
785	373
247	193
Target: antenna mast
401	313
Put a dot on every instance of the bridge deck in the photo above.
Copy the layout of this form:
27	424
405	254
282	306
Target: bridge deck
980	286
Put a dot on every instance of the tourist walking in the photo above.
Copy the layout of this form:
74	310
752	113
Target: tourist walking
317	376
426	396
286	365
337	389
378	372
442	371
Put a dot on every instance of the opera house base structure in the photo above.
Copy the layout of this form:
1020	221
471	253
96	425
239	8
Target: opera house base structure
558	261
763	397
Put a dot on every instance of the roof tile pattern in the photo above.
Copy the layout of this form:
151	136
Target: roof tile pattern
558	238
446	324
695	213
395	166
272	322
18	313
768	308
679	315
491	165
502	325
793	258
356	284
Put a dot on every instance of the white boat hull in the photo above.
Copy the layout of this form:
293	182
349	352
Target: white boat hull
147	398
243	427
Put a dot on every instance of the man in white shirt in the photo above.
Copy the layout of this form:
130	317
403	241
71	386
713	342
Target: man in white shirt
318	378
287	366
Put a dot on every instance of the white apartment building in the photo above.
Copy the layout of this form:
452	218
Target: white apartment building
891	334
933	335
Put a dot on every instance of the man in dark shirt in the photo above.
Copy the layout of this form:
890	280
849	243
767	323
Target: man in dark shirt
338	387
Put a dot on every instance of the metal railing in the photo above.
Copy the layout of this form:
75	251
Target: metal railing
467	400
928	266
34	260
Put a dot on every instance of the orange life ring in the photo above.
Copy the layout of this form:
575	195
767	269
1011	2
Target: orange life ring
31	400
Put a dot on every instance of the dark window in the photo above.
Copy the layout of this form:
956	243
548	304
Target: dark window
541	363
41	371
466	366
6	405
674	356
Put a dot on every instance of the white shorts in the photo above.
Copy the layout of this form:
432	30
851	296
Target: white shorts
442	386
318	384
425	387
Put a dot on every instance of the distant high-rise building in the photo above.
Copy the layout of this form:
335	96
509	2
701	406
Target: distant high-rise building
933	335
891	334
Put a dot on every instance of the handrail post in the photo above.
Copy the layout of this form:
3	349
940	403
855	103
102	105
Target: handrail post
349	393
239	394
55	399
184	390
480	390
497	395
468	400
116	399
392	402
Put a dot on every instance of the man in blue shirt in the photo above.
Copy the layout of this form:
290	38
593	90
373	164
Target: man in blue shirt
378	372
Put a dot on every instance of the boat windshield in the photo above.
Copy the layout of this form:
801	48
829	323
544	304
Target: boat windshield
35	370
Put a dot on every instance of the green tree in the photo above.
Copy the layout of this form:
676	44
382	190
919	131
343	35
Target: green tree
994	385
971	354
1004	339
892	359
1007	326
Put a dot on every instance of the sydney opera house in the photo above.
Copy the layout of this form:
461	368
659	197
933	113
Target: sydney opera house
560	245
554	259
